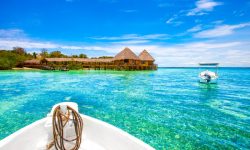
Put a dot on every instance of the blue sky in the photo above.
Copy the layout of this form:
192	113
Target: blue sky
176	33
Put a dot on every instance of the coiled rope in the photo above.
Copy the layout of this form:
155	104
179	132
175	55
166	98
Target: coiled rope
59	120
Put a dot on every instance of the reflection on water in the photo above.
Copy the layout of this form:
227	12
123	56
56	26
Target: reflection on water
167	108
208	91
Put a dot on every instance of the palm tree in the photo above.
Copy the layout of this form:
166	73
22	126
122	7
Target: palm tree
34	54
44	53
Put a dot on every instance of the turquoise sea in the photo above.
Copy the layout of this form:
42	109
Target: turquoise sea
166	108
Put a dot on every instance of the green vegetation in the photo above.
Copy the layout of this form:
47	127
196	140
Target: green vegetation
58	54
79	56
44	53
104	57
14	58
74	66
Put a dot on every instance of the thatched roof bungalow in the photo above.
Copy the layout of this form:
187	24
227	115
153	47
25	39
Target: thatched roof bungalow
127	60
32	61
126	53
145	56
78	60
59	59
124	60
93	60
147	61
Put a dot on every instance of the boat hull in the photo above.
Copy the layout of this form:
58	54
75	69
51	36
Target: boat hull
97	135
212	81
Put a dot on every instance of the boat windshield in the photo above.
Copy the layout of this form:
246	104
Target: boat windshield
209	67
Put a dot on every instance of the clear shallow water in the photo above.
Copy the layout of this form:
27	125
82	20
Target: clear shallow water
167	108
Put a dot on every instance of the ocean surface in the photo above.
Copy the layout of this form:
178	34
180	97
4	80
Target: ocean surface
167	108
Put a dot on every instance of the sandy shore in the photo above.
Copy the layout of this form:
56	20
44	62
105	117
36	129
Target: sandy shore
25	68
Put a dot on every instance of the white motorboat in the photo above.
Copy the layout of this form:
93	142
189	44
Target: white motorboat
96	135
208	76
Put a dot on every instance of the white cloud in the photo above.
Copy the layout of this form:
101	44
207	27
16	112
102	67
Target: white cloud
195	28
173	20
186	54
11	33
134	37
218	21
129	10
231	53
221	30
202	7
190	54
132	42
239	13
10	43
170	20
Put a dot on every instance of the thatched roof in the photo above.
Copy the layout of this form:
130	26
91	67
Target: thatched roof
77	59
126	54
93	60
144	55
32	61
58	59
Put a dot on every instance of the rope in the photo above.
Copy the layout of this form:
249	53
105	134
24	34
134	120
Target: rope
59	120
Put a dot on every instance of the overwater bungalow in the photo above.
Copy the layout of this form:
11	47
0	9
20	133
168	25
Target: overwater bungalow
147	61
33	63
125	60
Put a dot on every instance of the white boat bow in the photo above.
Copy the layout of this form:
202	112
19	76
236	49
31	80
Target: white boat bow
97	135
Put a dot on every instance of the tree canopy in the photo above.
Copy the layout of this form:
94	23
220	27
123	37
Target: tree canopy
57	54
14	58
